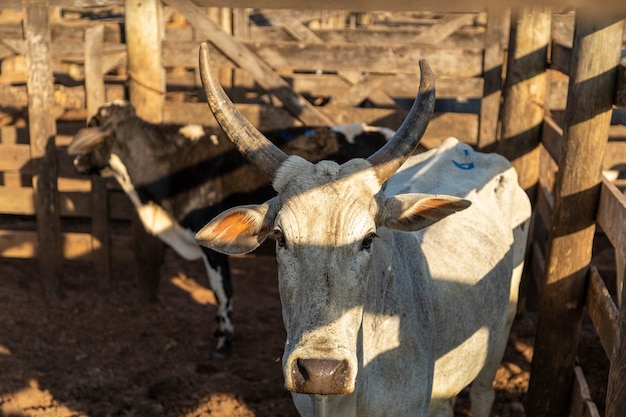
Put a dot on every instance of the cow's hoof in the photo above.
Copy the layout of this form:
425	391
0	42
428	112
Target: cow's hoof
219	356
223	349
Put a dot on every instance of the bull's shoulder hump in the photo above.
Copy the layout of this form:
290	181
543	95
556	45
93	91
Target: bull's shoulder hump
453	168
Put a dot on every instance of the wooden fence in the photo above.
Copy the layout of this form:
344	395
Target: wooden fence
287	68
277	65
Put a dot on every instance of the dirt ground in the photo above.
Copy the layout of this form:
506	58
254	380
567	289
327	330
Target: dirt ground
93	355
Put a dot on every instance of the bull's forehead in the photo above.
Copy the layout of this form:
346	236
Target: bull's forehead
298	176
326	202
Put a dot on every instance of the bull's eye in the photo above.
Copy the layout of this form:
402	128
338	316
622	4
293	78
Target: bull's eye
367	241
280	238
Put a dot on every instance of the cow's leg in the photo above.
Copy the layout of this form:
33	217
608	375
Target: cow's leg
218	273
446	410
482	393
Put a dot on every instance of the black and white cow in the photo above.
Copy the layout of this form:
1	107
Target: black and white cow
177	176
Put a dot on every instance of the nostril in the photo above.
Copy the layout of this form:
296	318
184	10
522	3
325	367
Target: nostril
321	376
300	363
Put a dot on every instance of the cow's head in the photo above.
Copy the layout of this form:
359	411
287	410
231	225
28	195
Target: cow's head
92	145
325	220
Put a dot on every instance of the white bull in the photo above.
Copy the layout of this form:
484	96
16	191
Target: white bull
390	306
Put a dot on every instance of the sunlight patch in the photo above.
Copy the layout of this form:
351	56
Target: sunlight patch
525	349
200	294
221	404
32	398
388	333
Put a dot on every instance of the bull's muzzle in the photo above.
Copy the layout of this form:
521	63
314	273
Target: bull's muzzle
82	167
321	377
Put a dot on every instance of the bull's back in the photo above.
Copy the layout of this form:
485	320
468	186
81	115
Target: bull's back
471	255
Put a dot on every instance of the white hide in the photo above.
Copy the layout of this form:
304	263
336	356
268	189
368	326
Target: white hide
350	131
478	247
419	316
192	131
155	220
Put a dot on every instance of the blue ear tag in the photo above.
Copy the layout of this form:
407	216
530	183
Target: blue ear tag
286	135
464	165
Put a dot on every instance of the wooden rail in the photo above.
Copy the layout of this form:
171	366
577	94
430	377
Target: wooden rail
370	5
91	53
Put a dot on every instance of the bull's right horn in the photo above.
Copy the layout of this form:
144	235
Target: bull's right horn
254	146
390	157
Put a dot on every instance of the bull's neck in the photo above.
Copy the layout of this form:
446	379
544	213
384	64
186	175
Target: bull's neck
398	304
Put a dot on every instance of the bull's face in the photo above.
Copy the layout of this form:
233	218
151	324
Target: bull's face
94	161
325	221
324	249
92	145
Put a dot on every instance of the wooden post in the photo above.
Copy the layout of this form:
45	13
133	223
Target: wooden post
595	55
241	32
144	36
616	392
42	128
525	87
620	95
148	251
94	87
496	39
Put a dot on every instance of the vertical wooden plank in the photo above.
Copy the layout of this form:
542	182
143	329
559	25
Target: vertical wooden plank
595	55
94	82
42	128
148	251
524	93
582	405
241	31
496	39
241	23
602	311
101	243
226	23
620	94
616	391
94	86
144	36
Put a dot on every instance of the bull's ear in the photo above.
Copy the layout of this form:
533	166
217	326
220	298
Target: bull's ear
240	229
85	140
411	212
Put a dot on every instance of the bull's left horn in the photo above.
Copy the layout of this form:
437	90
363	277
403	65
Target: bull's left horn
254	146
390	157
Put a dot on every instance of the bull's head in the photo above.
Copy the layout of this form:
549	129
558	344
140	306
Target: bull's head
91	146
325	220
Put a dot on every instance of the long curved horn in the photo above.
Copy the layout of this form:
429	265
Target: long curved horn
390	157
254	146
